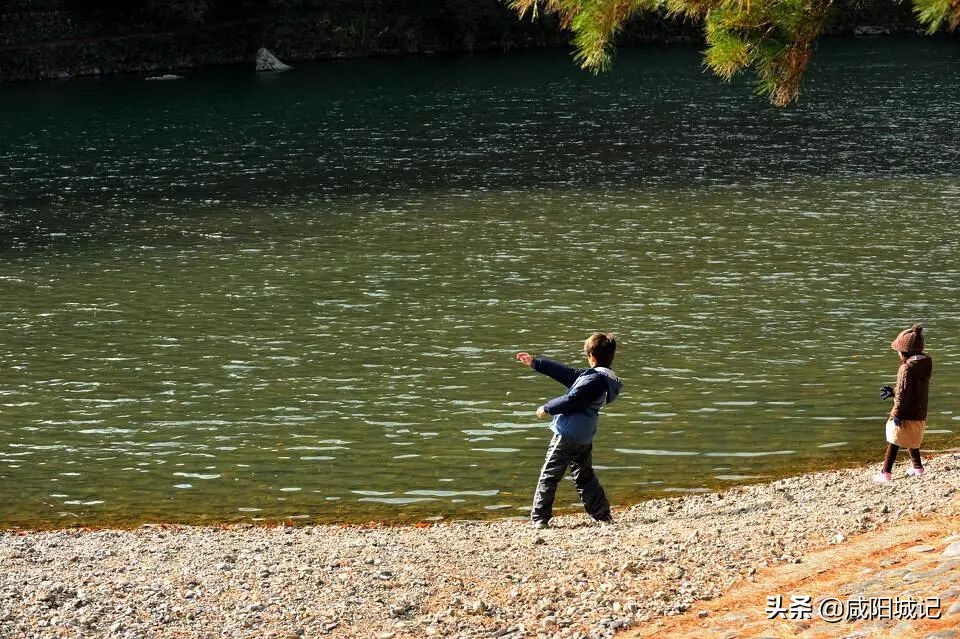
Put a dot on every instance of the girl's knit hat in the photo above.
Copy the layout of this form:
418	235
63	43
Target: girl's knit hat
909	340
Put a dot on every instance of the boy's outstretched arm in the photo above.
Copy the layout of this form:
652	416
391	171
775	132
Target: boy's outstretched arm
563	374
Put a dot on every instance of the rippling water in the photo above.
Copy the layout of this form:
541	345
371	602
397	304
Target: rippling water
233	297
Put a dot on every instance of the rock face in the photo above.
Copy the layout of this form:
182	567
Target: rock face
266	61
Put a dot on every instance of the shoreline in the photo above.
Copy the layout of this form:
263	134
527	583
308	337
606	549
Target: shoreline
57	40
402	519
451	579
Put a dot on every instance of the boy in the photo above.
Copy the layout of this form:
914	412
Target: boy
575	417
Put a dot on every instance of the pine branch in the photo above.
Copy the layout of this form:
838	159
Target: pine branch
937	13
774	38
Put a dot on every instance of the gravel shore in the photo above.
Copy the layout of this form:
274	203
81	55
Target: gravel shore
460	579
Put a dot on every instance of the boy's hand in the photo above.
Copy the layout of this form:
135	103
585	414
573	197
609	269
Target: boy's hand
525	358
886	391
542	414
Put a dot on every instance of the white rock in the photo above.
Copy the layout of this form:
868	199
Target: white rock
922	548
266	61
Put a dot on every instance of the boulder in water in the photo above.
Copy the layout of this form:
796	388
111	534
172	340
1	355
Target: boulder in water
166	77
266	61
869	30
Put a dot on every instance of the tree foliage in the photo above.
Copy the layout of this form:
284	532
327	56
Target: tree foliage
773	38
937	13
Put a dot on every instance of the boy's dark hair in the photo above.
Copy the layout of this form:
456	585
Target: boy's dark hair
602	346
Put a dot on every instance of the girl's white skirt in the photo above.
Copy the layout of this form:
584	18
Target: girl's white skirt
909	434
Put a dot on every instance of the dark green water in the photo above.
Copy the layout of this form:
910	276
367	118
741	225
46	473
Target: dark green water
231	297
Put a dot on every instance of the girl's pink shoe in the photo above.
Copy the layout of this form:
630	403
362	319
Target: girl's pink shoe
882	477
915	472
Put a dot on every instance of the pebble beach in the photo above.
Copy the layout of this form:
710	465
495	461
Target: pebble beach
459	579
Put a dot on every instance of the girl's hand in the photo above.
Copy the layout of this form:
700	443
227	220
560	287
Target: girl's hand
525	358
542	414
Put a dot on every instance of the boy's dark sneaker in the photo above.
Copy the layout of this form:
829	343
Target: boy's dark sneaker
606	521
539	525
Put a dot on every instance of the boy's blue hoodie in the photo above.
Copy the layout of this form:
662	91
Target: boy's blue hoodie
575	415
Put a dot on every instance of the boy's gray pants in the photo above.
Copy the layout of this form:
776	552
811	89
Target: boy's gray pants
579	457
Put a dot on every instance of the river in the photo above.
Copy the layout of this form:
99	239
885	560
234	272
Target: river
298	297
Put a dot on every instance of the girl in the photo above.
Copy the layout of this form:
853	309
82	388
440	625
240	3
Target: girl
908	417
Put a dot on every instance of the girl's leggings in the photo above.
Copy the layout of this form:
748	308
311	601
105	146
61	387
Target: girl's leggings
892	450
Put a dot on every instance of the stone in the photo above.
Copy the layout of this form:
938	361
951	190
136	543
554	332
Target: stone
266	61
863	587
478	607
868	30
954	609
674	572
942	634
922	548
945	567
953	550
